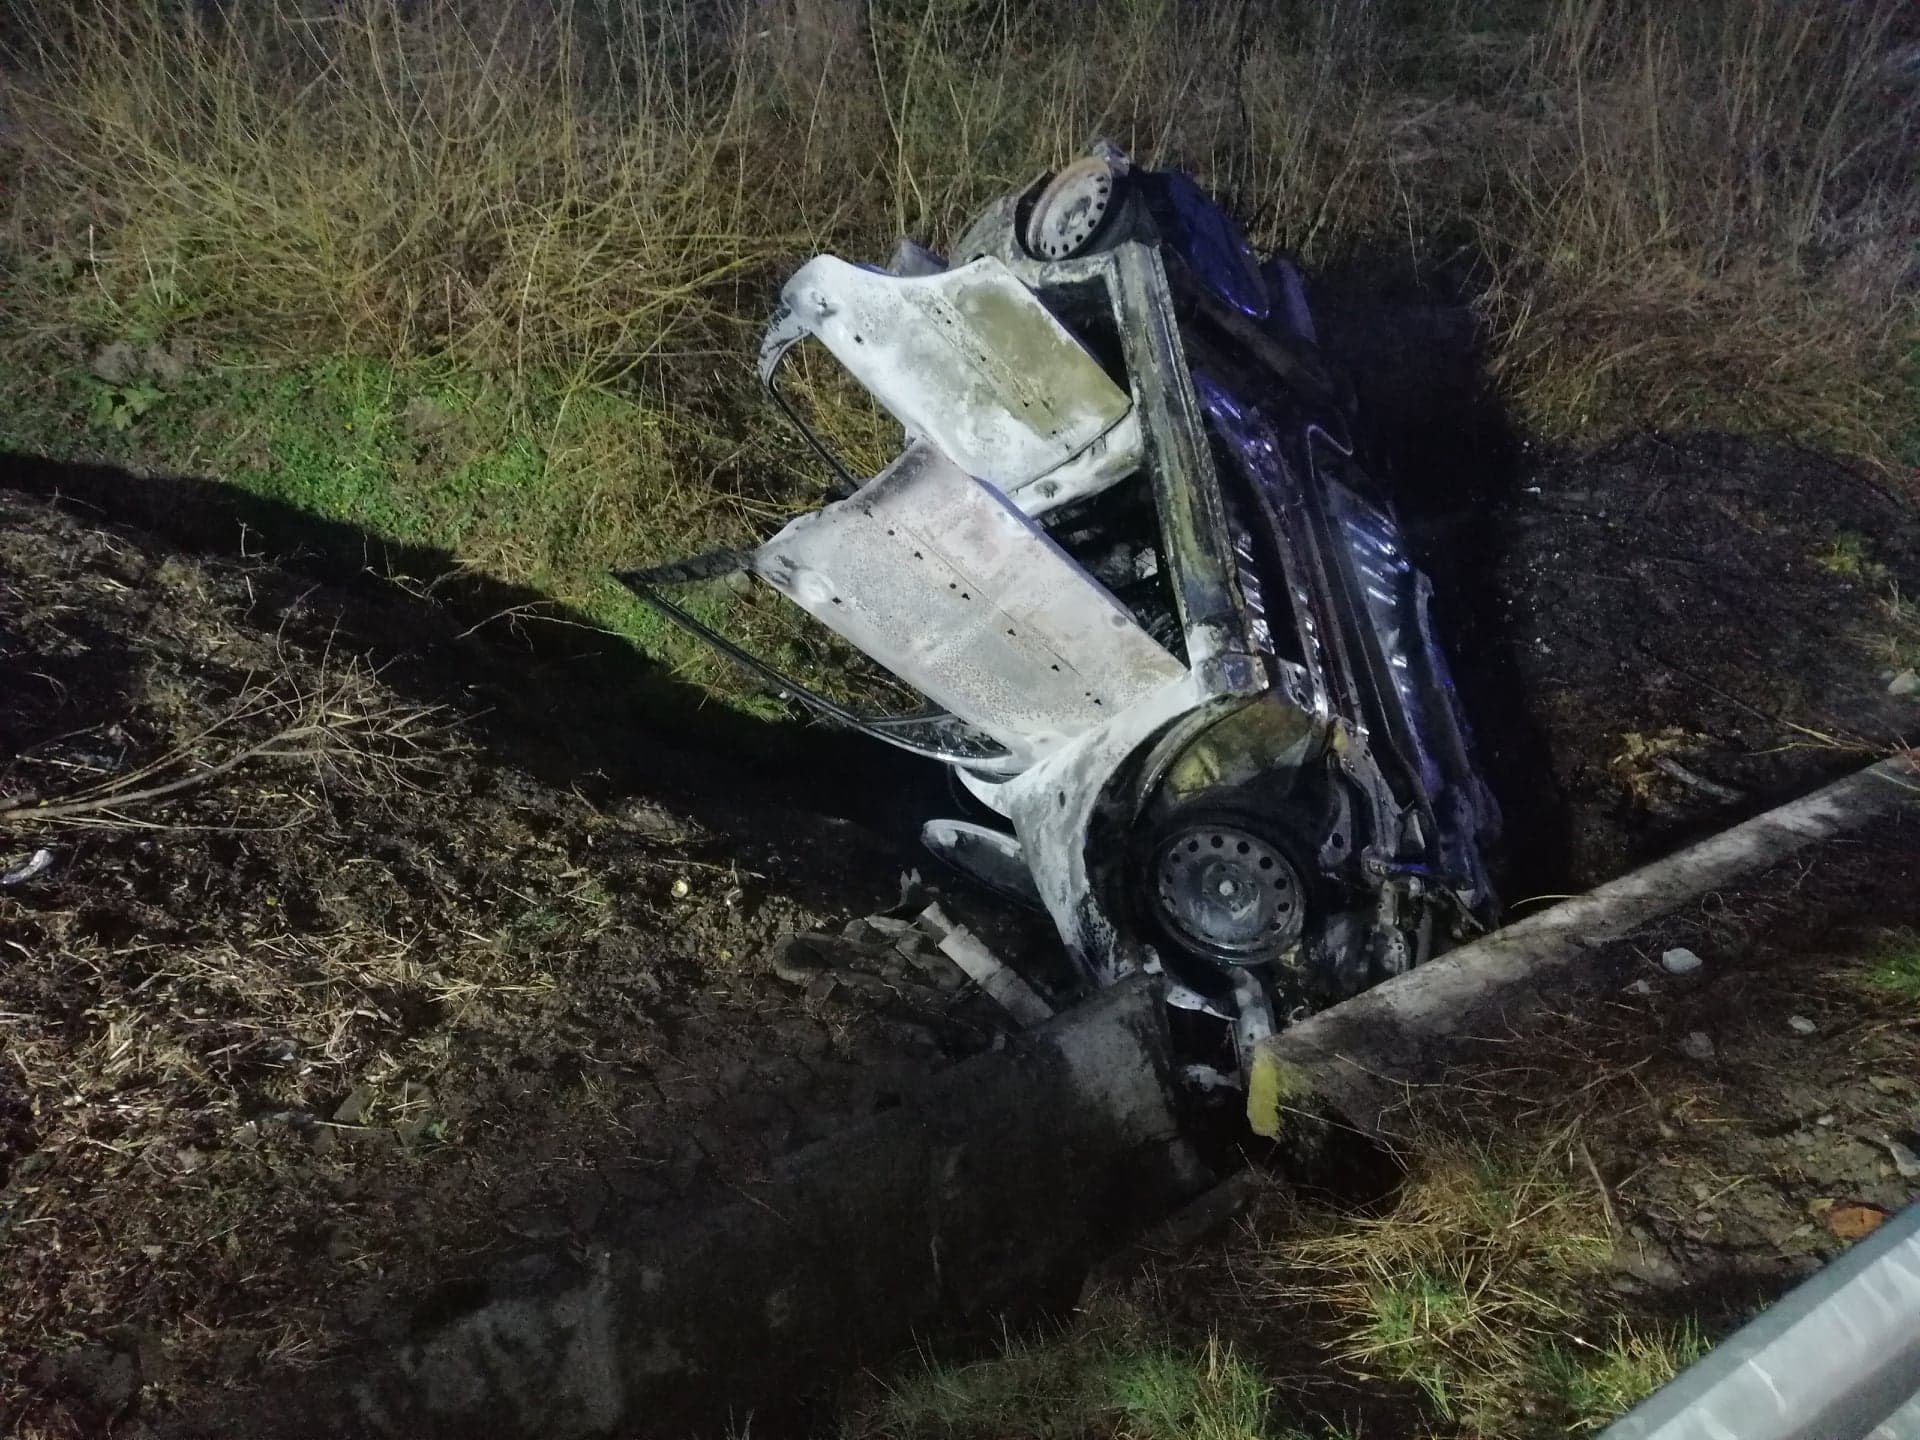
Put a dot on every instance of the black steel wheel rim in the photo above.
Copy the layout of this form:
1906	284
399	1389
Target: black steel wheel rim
1227	892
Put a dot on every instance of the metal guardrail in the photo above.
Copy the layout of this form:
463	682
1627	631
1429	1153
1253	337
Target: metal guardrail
1837	1359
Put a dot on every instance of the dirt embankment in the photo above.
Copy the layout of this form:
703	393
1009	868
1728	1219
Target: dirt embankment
416	978
472	948
1665	636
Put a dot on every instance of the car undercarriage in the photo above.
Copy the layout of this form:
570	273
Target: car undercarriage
1162	622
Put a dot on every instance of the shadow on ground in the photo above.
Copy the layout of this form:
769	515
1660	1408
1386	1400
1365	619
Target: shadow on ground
557	695
520	992
1439	433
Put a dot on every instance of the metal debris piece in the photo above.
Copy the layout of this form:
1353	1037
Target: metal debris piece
990	856
968	358
884	958
1694	780
1004	987
978	963
913	894
1206	1079
37	864
932	573
1905	1162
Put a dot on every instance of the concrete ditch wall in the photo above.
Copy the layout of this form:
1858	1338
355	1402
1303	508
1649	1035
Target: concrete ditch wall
1351	1065
993	1188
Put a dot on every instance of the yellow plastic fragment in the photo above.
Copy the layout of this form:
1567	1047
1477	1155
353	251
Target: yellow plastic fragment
1273	1088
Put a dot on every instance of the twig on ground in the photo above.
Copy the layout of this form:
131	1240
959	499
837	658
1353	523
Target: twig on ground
1694	780
1600	1184
334	725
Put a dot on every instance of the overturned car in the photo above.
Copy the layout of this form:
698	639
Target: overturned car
1165	625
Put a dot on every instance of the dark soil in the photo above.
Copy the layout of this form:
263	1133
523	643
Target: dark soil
492	957
287	1050
1720	1164
1707	603
1725	605
1730	1164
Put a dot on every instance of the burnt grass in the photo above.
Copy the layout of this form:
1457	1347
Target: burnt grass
290	1051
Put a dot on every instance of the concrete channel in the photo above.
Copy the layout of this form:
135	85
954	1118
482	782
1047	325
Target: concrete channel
993	1189
1352	1063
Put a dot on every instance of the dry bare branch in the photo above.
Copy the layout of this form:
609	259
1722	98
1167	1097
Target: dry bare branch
341	725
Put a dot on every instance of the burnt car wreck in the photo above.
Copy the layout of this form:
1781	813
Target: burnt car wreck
1164	622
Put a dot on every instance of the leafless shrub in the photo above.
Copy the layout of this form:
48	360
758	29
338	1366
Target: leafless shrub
1687	215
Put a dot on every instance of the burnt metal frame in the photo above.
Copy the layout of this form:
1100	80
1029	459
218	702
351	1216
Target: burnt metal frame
1186	490
931	734
1126	287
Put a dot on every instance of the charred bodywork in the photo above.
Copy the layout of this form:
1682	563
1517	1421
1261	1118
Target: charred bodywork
1166	625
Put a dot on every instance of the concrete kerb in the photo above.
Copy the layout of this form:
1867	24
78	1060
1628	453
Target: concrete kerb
996	1185
1352	1064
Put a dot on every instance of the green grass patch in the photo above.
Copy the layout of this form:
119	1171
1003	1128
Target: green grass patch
1893	967
1088	1383
1592	1384
1479	1290
549	486
1177	1395
1849	555
1413	1318
1892	633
